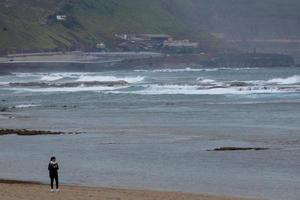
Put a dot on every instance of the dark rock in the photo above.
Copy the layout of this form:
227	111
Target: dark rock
170	104
238	84
213	87
70	107
4	109
25	132
239	149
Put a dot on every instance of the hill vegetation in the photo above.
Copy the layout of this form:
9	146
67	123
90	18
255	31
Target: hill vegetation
32	24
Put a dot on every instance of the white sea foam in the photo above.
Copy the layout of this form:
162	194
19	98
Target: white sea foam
69	89
188	69
238	68
206	81
196	90
58	76
4	83
26	106
21	75
202	85
85	78
81	77
48	76
275	81
286	81
51	77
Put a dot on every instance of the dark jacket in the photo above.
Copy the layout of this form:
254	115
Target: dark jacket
53	169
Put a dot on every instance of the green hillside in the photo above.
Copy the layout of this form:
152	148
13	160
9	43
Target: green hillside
30	25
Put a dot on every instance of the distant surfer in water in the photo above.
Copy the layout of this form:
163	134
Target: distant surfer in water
53	173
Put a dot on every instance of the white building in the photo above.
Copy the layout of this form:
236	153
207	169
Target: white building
100	46
122	36
61	17
180	44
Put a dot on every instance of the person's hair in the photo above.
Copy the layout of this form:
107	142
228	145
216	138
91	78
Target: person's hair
52	158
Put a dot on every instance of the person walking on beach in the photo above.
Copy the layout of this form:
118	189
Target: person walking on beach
53	173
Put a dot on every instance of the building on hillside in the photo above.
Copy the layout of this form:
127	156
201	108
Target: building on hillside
154	42
122	36
155	37
180	44
143	37
141	42
61	17
100	46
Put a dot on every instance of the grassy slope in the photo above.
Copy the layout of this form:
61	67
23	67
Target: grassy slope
23	23
93	21
98	20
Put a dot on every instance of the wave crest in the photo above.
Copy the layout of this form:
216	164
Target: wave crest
286	81
85	78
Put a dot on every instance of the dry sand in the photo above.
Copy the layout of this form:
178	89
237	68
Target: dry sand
14	190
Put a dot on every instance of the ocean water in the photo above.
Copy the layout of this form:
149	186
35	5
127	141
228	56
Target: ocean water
154	131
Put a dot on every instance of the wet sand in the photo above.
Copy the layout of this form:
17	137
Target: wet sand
16	190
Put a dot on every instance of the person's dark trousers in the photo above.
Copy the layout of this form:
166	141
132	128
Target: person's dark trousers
52	181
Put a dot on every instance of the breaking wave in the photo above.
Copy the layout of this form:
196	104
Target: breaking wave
80	77
69	82
101	82
286	81
57	76
204	90
70	89
110	78
206	86
188	69
26	106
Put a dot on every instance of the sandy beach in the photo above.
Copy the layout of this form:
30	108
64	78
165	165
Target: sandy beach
15	190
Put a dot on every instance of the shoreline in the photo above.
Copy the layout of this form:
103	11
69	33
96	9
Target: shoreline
89	61
30	190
